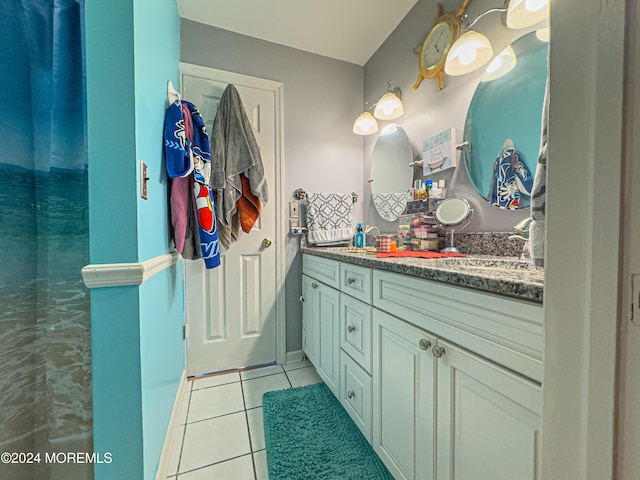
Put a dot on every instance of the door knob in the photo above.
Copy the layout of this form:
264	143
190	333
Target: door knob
266	243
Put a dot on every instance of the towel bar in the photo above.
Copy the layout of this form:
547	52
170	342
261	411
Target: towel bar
300	194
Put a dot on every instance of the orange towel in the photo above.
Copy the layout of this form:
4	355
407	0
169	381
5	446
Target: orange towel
249	206
408	253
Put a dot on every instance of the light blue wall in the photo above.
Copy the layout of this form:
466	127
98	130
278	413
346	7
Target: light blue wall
138	350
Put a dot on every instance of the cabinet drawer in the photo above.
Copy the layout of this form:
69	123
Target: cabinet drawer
356	281
507	331
355	330
356	393
323	269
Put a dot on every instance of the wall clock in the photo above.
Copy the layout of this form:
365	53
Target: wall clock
433	52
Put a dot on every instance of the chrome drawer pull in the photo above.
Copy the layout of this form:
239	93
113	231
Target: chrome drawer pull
314	285
351	281
351	329
424	344
437	351
351	394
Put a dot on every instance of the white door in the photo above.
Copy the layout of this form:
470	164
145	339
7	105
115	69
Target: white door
489	420
232	309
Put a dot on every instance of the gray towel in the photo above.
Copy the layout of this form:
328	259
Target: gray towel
539	191
234	150
329	218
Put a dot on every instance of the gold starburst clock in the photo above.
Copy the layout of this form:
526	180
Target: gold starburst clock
433	52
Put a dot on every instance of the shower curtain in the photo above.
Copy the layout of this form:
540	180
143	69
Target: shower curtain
45	343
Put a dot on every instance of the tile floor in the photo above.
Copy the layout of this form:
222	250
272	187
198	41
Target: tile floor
221	434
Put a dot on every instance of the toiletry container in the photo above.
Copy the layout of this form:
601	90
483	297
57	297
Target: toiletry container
359	240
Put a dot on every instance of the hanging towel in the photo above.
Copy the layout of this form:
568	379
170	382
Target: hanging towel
191	156
511	179
236	152
329	218
539	192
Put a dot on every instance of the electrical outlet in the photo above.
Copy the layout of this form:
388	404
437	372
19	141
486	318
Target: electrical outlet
144	180
294	209
293	223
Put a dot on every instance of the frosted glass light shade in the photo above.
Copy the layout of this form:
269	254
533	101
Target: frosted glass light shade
365	124
470	52
388	107
544	34
501	65
524	13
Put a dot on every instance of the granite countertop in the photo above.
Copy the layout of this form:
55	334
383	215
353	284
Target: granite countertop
499	275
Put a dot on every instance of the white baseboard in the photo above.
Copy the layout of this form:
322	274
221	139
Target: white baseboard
172	429
295	356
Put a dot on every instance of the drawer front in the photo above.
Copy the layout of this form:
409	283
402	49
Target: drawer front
356	281
507	331
355	330
323	269
356	394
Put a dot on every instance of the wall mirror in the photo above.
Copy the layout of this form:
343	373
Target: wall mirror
391	174
504	121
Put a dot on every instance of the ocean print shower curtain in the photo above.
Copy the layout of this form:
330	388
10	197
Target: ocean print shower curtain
45	343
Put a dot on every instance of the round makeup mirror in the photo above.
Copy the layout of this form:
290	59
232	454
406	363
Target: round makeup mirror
390	172
504	122
453	213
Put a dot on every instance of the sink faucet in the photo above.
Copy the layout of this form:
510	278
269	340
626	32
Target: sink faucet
521	227
367	231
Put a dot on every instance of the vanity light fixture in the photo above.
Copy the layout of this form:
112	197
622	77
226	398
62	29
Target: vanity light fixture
501	65
388	107
473	50
365	124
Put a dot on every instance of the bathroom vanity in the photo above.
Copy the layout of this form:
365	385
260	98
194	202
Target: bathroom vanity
438	362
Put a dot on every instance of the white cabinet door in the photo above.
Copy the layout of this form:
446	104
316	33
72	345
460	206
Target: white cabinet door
489	420
310	324
403	398
328	317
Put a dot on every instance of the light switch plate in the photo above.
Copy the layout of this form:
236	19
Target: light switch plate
144	180
294	209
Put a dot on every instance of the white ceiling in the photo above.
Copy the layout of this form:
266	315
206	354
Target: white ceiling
349	30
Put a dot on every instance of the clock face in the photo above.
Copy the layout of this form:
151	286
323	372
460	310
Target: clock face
436	45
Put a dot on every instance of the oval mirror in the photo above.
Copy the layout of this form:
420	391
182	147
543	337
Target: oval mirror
504	122
391	174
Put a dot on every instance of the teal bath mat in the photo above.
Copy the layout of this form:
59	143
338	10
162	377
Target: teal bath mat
309	436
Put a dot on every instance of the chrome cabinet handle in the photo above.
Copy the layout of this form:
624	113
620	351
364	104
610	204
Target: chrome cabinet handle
424	344
351	329
351	281
437	351
351	394
314	285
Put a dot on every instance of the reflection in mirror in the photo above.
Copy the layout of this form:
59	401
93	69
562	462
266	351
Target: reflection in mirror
504	121
390	172
453	213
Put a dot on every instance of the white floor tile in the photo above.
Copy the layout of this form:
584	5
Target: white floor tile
260	460
260	372
174	453
256	428
297	365
182	416
215	380
255	388
215	440
215	401
237	469
302	377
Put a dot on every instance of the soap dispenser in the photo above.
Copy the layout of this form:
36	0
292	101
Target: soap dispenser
359	240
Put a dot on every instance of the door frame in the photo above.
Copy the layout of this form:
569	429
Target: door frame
277	88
